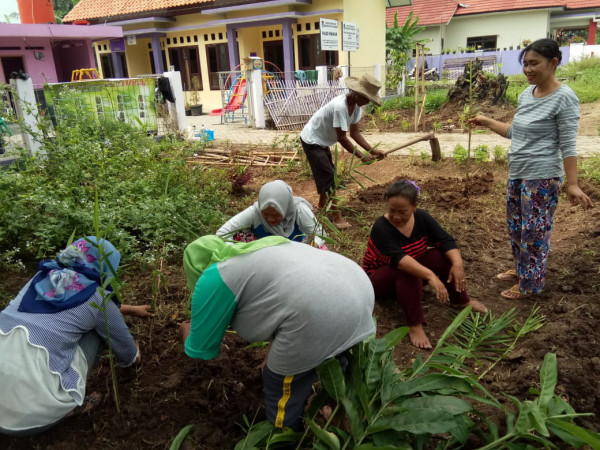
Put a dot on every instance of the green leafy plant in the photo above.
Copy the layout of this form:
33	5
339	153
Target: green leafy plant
437	402
482	153
108	279
144	189
500	154
460	154
399	41
183	433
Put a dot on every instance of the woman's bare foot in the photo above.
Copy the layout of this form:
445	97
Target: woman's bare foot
418	338
478	306
341	224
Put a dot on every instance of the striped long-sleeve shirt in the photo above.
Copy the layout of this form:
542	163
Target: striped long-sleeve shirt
387	245
59	333
542	134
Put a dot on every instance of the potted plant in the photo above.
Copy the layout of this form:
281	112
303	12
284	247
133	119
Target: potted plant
188	109
194	98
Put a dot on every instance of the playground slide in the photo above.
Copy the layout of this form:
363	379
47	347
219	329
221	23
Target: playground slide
237	95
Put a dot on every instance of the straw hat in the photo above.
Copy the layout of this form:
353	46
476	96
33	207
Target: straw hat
367	86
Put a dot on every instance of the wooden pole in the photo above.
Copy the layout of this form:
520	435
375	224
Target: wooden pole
417	88
423	93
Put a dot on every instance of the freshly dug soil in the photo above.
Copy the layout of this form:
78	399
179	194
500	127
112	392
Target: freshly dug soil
169	390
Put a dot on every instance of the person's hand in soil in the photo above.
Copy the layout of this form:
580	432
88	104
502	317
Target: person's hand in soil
458	277
184	329
137	310
576	196
378	154
441	293
367	157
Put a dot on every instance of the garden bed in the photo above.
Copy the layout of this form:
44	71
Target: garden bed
169	390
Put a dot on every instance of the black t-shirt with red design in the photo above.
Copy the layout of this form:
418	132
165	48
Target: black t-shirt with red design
387	245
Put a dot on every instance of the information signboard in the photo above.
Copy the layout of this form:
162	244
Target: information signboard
329	35
350	37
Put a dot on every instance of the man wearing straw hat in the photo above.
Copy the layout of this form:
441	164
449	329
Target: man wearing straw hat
329	125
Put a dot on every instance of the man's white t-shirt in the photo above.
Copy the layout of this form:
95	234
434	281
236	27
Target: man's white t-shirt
320	129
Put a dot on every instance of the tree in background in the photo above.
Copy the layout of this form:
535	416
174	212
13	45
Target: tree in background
62	7
11	18
399	42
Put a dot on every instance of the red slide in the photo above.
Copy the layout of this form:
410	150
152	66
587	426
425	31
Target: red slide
236	98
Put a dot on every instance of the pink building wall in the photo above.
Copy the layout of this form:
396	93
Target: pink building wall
64	49
40	71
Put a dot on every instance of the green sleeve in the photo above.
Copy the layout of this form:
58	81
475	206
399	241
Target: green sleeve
213	306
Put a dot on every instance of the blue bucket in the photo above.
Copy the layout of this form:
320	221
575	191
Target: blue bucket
208	135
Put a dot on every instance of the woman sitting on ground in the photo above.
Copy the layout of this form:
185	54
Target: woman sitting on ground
277	213
406	247
51	335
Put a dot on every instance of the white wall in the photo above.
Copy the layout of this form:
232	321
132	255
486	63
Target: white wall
579	51
511	28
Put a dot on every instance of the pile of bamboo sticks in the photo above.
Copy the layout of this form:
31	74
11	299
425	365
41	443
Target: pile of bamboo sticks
229	157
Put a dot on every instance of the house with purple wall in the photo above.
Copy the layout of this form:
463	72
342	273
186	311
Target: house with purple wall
48	52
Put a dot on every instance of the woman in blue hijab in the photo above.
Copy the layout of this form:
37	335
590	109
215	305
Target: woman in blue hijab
51	334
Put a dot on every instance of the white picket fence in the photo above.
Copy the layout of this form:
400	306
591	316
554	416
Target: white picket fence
291	103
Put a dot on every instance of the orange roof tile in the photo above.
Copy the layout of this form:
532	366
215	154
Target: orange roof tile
97	9
488	6
429	12
581	4
434	12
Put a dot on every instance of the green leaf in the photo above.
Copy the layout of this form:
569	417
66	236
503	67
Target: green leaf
548	377
458	320
385	447
324	436
461	431
372	371
354	418
388	380
573	434
180	437
417	422
431	383
537	420
332	378
286	436
257	433
393	337
452	405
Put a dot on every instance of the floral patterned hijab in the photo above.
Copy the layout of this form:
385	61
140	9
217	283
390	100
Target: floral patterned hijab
72	278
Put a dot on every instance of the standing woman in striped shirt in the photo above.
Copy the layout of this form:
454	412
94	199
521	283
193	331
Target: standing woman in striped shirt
543	140
406	247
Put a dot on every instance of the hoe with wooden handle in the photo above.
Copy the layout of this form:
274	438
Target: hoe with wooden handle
436	152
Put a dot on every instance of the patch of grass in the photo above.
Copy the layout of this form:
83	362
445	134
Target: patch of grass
582	76
589	169
434	101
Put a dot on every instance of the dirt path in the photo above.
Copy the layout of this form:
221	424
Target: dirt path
588	141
